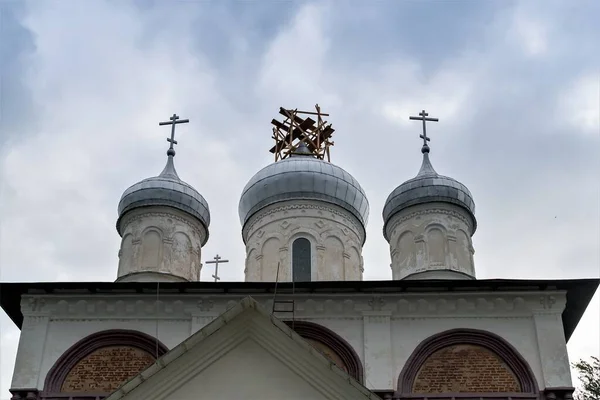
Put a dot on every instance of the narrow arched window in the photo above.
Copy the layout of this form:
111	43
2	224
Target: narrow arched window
301	260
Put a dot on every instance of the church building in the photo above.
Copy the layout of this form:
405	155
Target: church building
304	324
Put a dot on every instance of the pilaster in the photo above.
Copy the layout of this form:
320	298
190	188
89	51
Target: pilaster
31	344
551	341
202	315
377	349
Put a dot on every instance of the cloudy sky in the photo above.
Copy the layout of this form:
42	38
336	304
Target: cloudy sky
85	83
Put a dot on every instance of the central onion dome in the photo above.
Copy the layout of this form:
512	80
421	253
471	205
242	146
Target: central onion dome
166	189
302	176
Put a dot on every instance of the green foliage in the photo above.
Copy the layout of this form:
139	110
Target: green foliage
589	375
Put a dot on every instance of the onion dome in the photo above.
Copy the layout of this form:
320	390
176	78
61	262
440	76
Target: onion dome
302	176
428	187
167	190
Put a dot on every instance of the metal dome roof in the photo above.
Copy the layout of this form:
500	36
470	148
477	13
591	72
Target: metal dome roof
303	177
428	186
165	189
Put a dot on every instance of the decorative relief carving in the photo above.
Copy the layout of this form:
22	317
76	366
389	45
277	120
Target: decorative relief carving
141	307
135	220
547	302
36	304
205	305
376	303
420	213
346	218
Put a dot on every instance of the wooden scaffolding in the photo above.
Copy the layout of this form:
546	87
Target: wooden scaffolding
298	127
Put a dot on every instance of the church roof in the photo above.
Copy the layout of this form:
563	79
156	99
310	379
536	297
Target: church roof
579	292
303	177
166	189
246	320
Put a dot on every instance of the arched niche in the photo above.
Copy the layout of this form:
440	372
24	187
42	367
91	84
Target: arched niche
152	247
116	342
436	245
492	349
407	251
331	345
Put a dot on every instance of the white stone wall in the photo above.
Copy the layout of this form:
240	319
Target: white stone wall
160	244
431	241
336	238
384	330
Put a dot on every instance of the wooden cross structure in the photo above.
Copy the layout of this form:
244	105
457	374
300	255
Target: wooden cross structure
296	129
217	259
423	117
174	120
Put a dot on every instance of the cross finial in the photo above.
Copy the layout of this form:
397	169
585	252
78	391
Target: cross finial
423	117
173	121
217	259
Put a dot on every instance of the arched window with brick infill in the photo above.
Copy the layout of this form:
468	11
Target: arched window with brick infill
331	345
466	363
100	363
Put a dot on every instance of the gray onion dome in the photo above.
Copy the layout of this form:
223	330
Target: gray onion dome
427	187
302	176
167	190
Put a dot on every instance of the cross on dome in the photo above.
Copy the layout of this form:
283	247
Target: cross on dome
173	121
423	117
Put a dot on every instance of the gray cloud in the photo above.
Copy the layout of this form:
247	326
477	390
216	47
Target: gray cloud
516	98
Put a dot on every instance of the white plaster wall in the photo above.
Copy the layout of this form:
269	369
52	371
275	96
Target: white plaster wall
383	329
238	375
336	238
432	240
160	244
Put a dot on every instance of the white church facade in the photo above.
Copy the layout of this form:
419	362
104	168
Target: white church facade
304	324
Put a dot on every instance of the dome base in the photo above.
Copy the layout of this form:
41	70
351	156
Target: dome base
441	274
150	276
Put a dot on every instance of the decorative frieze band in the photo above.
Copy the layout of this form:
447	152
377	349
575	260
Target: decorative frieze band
397	220
347	217
196	227
399	305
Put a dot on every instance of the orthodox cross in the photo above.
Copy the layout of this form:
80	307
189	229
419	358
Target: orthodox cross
216	261
423	117
173	121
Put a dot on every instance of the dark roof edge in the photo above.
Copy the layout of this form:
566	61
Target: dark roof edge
579	291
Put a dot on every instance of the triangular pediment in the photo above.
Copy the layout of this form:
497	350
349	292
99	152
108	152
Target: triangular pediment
245	353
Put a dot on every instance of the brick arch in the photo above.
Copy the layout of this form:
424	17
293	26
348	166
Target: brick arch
342	349
96	341
487	340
